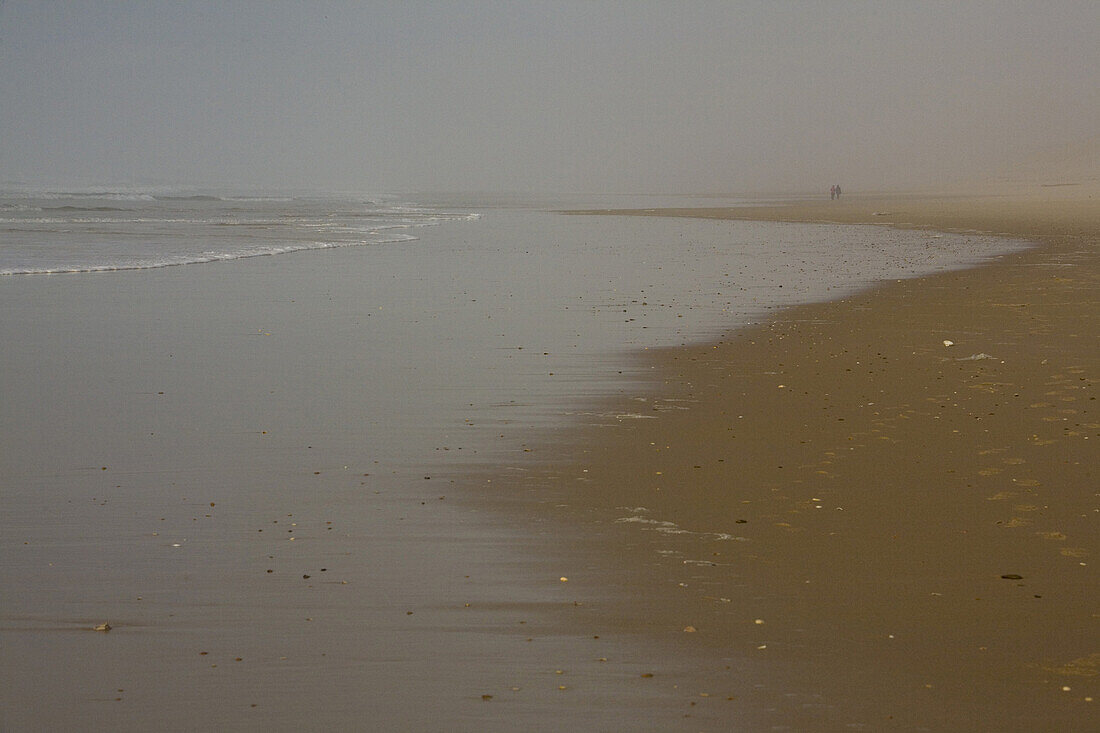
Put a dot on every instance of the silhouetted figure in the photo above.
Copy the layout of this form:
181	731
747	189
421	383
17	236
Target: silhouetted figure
832	192
836	190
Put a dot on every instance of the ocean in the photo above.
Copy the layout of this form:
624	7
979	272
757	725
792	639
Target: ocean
242	429
117	229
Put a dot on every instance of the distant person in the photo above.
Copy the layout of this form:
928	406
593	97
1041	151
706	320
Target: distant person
836	190
832	192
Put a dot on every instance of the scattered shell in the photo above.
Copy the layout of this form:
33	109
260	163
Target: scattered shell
104	627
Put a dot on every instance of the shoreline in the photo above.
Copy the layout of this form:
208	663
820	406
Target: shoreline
891	530
268	544
1040	212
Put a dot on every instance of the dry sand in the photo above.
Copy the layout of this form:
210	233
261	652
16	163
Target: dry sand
880	512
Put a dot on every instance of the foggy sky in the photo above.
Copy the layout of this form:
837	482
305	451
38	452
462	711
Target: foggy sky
539	96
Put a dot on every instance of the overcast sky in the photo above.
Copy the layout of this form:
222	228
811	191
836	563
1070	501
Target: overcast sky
633	96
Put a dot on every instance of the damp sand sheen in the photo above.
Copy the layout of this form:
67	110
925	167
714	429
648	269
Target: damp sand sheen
877	511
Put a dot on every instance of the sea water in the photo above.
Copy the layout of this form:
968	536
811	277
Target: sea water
251	466
90	230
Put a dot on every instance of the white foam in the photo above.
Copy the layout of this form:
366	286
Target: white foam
182	229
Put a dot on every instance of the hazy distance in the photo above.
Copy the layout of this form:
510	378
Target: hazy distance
635	96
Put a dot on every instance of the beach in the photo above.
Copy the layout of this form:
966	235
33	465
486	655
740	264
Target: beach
481	367
553	472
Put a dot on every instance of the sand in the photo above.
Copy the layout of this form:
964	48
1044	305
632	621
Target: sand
880	512
806	524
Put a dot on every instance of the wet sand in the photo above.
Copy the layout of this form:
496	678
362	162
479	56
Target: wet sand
269	560
877	513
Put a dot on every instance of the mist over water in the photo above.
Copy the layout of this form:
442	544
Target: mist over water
569	96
